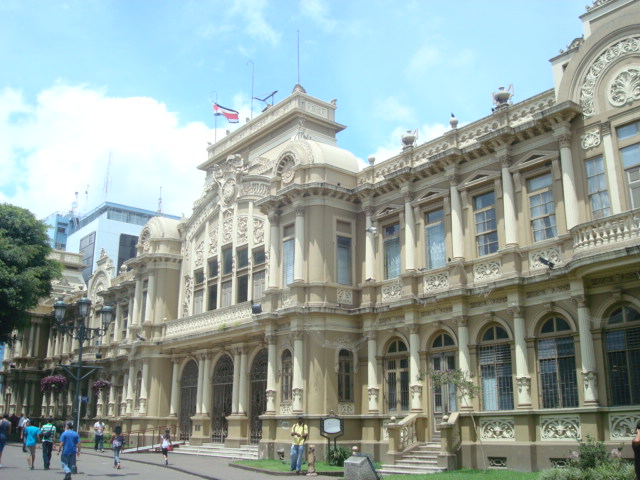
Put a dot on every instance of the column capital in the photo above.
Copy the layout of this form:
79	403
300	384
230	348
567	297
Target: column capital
299	209
369	210
461	320
605	128
516	311
580	300
407	196
454	179
564	139
270	338
370	334
274	216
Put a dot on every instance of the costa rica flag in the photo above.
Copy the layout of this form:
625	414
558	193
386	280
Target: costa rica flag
231	115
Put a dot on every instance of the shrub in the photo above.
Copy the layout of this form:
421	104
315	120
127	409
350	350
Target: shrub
338	455
590	454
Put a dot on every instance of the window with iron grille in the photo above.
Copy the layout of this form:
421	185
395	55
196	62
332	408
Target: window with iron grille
557	366
597	188
484	208
287	376
622	346
397	373
392	251
542	207
345	376
496	371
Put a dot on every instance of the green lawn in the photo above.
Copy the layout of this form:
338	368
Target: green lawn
284	466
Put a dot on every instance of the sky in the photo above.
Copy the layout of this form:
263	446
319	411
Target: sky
111	100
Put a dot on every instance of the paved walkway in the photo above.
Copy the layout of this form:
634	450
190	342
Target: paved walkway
140	466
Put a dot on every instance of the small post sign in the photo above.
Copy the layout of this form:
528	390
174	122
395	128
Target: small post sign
331	427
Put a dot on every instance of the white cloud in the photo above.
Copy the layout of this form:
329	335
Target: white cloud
424	59
318	11
252	15
392	109
63	142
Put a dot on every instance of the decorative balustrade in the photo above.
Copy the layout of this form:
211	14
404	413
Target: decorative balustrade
209	321
607	231
123	277
402	434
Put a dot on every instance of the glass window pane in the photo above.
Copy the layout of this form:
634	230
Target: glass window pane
630	155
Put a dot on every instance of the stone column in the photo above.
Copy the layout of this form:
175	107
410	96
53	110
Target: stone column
271	373
242	393
409	232
175	388
613	179
508	201
414	370
112	397
589	374
200	384
298	359
206	388
137	302
117	325
568	183
456	217
522	365
235	393
299	243
463	356
372	372
131	388
274	250
144	387
151	295
369	247
125	389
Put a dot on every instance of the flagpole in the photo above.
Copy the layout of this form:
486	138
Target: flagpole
252	76
215	120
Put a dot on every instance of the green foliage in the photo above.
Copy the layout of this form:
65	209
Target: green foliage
462	381
590	454
26	271
338	455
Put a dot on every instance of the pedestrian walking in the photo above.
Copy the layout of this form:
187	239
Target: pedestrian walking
5	430
70	447
166	445
117	444
48	435
98	429
30	436
299	432
20	429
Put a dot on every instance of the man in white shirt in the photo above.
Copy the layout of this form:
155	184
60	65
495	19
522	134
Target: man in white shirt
98	429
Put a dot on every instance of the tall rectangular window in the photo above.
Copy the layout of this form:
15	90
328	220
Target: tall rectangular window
227	260
345	376
288	254
542	207
392	251
242	288
198	301
87	248
484	207
127	248
242	257
212	302
258	284
344	260
434	236
597	188
258	256
213	268
497	385
227	299
558	383
631	163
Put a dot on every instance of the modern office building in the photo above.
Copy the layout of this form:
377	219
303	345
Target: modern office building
111	227
506	250
58	227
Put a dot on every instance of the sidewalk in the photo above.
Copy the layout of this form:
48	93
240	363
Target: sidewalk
100	465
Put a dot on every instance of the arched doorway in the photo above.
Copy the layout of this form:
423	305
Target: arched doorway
188	391
258	394
443	398
222	396
396	366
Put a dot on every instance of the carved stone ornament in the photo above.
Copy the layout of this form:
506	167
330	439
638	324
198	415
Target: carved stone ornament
552	255
258	231
188	288
524	384
487	270
373	392
391	291
625	87
628	46
497	428
346	409
199	256
228	175
227	227
590	139
213	239
243	229
622	426
345	296
435	282
560	428
589	379
287	170
286	409
416	391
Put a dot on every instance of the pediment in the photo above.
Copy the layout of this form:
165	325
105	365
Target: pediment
534	158
479	177
389	210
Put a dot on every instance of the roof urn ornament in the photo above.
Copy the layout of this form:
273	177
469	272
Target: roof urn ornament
409	138
453	122
501	97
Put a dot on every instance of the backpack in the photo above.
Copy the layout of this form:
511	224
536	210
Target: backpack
117	441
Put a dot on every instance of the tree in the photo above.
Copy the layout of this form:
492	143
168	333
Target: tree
26	271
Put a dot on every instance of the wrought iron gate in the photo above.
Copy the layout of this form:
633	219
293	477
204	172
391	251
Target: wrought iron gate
258	394
222	397
188	397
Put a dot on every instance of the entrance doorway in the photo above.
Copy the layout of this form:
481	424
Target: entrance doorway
258	394
222	398
188	397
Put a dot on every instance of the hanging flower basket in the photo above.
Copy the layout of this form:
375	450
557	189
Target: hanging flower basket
53	383
100	385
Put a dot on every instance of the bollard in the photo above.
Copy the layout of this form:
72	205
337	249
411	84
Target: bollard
311	460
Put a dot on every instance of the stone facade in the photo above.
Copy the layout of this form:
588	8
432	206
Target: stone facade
507	248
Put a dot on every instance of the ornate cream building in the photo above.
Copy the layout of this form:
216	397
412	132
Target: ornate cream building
508	248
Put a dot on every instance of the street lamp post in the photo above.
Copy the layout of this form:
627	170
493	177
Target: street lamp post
77	329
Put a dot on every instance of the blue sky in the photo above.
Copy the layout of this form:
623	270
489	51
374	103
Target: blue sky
112	98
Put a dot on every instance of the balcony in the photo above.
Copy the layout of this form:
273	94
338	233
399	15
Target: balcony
209	321
615	231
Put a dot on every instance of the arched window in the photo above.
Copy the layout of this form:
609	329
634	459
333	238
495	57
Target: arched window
622	344
397	373
287	376
345	376
443	357
495	370
557	364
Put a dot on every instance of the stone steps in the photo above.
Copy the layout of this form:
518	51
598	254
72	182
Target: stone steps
244	452
421	460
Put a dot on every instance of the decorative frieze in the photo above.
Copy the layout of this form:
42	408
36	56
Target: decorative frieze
227	226
545	292
438	281
391	291
213	238
346	408
497	462
549	255
625	87
345	296
316	109
487	270
502	428
286	409
243	230
590	139
258	231
199	256
209	321
560	428
622	426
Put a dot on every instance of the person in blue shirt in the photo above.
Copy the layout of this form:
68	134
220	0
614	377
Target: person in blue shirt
30	436
70	447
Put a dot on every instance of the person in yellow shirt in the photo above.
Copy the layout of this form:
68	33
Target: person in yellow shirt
299	432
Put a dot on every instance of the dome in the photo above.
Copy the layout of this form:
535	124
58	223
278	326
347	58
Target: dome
162	227
311	152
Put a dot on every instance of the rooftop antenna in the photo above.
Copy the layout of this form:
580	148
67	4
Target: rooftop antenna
86	199
265	99
159	211
298	56
252	76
